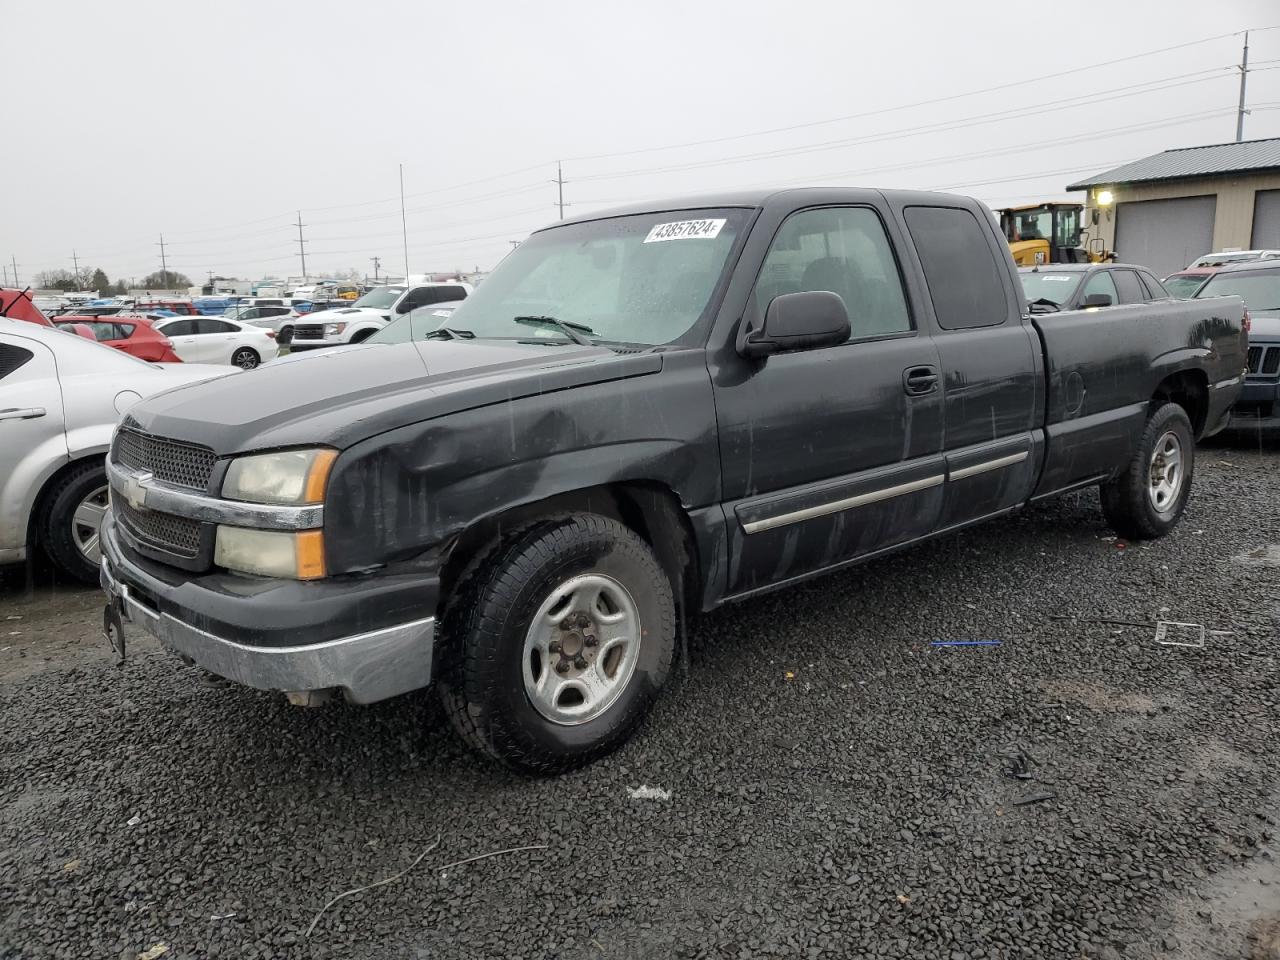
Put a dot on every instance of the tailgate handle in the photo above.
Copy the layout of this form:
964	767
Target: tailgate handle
918	381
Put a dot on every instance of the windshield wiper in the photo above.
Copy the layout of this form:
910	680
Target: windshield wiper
449	333
570	329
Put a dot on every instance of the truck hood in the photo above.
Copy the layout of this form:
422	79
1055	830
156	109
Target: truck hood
347	314
340	398
1265	326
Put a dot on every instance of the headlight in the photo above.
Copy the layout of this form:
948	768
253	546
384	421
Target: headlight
289	476
333	329
271	553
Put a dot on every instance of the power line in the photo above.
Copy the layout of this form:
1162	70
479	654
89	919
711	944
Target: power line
919	103
943	126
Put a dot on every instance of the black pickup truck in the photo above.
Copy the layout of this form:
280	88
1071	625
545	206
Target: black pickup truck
652	410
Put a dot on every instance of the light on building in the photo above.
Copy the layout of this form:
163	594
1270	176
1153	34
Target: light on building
1105	198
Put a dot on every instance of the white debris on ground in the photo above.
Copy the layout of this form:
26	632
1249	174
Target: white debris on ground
649	793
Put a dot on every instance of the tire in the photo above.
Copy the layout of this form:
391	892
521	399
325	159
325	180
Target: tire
1136	504
498	672
246	358
66	517
285	336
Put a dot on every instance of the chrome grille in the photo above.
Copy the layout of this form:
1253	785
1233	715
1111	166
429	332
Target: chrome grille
1271	363
1255	359
164	531
308	331
172	461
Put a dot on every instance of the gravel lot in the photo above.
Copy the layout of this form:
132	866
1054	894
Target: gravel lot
838	785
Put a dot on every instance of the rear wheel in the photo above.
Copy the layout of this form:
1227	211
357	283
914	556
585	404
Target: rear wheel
558	645
71	518
246	358
1148	498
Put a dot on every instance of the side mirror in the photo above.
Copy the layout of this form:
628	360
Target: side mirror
1097	300
404	306
799	321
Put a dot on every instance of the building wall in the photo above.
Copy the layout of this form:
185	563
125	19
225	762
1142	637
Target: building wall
1233	224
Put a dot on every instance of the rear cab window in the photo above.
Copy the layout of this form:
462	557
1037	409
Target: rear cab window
960	269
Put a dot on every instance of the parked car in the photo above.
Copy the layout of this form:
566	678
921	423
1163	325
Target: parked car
219	340
178	308
1184	284
1258	284
60	398
1079	286
19	305
1224	257
661	407
134	335
372	312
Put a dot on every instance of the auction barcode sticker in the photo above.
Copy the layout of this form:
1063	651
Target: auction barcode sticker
685	230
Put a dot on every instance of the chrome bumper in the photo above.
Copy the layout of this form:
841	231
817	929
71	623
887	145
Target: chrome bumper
367	667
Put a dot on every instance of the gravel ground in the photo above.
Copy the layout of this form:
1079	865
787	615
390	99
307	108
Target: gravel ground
838	786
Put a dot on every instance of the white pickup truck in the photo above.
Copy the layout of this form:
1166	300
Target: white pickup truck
372	312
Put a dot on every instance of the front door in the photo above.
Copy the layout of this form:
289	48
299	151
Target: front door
834	453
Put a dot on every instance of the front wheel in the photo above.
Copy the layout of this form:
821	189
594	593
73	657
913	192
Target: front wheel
557	646
71	517
1148	498
246	358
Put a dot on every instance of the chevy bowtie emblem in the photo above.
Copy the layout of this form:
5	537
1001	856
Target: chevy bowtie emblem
134	492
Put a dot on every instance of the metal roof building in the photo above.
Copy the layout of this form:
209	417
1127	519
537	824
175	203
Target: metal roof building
1166	210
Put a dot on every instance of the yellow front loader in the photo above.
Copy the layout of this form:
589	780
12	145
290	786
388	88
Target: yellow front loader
1050	232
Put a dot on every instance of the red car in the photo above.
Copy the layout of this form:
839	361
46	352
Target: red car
18	305
132	334
184	308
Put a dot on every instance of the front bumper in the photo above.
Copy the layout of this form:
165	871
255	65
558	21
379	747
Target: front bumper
300	639
297	344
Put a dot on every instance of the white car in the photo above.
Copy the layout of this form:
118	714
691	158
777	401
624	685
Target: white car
61	396
218	340
372	312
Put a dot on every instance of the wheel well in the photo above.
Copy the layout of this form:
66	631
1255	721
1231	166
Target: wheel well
1189	389
361	336
651	510
42	498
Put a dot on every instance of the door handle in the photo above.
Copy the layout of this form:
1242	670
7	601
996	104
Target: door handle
22	413
918	381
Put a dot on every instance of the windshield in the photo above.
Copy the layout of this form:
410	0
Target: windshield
1057	288
644	279
414	325
1260	289
380	298
1183	288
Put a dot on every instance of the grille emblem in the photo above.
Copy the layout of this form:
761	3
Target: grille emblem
134	493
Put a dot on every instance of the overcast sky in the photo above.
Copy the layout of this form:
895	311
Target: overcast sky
214	123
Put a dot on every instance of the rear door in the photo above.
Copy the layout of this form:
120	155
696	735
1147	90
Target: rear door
182	334
989	358
216	340
834	453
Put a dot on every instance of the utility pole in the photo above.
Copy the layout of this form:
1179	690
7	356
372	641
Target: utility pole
1244	78
6	274
559	182
14	261
164	265
76	263
404	226
377	262
302	250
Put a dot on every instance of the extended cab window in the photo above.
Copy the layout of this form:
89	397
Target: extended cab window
959	268
1131	291
1100	283
842	250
